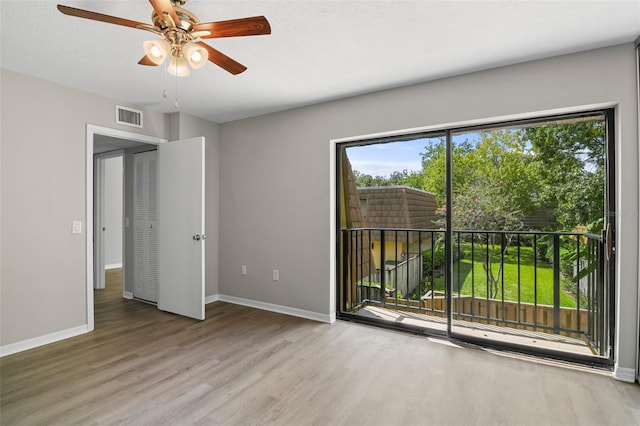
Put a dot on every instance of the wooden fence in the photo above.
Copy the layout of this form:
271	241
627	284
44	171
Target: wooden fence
574	322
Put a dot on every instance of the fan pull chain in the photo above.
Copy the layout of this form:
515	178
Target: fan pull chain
176	104
164	82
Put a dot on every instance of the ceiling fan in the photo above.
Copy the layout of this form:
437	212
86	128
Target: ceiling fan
181	32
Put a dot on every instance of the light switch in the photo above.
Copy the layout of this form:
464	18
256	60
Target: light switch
244	270
76	228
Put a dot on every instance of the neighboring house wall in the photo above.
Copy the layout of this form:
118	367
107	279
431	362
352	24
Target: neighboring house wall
276	212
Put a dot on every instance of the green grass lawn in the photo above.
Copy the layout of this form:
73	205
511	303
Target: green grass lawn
469	277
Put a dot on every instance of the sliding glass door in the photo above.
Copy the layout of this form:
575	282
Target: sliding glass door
498	233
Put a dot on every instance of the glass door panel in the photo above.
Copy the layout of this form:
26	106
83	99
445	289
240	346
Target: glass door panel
527	213
491	233
392	232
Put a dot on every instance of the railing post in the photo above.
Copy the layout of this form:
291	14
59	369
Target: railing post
383	269
346	267
556	283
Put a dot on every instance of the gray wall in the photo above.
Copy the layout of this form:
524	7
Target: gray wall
42	265
113	211
274	192
275	173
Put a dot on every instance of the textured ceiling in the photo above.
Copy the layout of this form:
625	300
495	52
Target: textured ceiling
318	50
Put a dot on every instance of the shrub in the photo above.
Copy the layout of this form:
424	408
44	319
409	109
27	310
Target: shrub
432	261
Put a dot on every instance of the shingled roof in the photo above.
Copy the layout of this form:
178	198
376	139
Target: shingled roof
398	207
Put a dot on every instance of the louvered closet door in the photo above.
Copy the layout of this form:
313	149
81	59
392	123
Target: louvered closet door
145	242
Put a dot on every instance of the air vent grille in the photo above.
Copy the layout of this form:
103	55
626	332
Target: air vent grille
128	116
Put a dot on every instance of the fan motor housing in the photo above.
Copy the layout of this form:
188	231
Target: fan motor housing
187	20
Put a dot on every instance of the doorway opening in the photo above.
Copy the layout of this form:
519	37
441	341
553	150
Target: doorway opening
178	176
108	219
105	150
501	234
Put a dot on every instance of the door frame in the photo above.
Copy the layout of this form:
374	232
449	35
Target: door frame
91	131
608	109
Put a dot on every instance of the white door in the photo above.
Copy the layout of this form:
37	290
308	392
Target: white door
145	227
181	227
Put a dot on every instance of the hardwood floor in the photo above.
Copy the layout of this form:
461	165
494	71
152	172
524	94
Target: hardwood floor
246	366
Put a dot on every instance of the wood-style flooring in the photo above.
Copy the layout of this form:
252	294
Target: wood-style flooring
243	366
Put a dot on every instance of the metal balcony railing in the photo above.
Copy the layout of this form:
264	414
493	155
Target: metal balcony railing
550	282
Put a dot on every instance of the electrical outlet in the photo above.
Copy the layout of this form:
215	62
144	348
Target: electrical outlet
244	270
276	275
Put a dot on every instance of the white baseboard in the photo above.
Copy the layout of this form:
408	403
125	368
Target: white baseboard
72	332
624	374
24	345
113	266
211	299
315	316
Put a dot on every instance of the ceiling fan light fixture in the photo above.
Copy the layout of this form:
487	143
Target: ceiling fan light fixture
178	28
178	66
196	55
157	50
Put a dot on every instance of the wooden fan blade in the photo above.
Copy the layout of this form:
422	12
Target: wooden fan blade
147	61
95	16
163	7
257	25
222	60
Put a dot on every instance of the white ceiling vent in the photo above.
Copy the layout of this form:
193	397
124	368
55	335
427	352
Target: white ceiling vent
128	116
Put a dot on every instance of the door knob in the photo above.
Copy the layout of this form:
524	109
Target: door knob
196	237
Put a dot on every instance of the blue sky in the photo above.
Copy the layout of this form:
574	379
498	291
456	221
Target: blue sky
383	159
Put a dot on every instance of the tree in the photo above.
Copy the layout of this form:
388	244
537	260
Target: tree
492	156
558	166
571	162
395	179
482	206
363	180
432	176
503	156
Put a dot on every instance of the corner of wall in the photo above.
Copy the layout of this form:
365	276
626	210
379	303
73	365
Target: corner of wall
174	126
